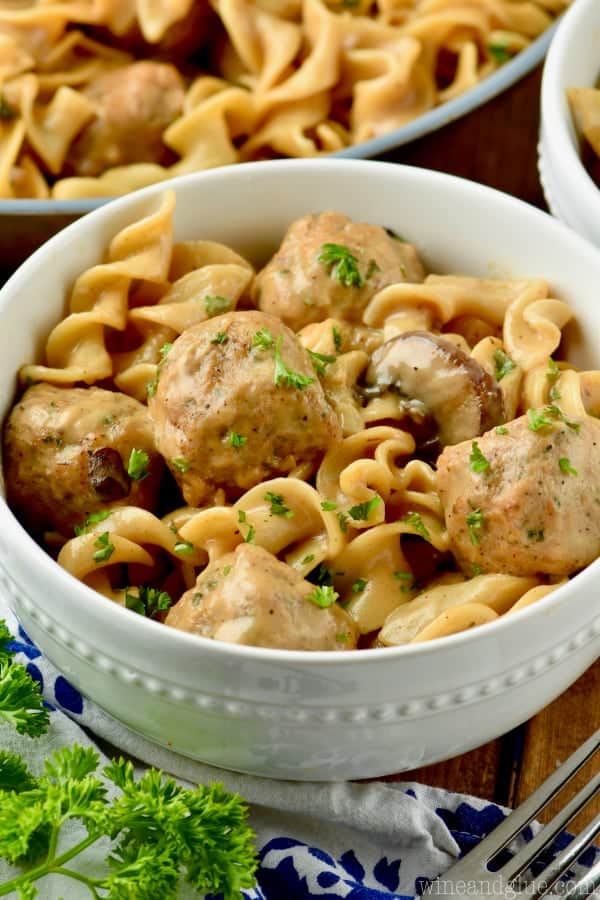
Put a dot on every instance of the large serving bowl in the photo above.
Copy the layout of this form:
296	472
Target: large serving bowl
573	61
307	715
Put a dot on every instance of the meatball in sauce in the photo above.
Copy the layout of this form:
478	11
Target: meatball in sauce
250	597
328	265
68	453
238	402
532	505
133	105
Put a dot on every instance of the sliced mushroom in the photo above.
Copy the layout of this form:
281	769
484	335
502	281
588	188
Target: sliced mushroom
107	474
456	391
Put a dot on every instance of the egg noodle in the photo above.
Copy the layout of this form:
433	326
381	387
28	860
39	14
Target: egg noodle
279	78
156	290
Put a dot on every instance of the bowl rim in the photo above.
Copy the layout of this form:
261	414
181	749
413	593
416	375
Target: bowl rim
556	116
19	542
432	120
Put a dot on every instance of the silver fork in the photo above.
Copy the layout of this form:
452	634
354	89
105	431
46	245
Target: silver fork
472	877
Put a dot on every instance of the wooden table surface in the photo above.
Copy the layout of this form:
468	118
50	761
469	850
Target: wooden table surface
497	145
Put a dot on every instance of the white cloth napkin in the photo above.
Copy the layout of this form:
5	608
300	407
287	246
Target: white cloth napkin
356	841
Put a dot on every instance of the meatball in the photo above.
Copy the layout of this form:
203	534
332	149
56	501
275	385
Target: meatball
526	499
250	597
134	105
328	265
237	402
67	452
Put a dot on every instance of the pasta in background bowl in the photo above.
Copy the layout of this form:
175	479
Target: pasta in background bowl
572	67
399	705
98	101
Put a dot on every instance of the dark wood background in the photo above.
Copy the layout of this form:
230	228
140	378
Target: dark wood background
497	145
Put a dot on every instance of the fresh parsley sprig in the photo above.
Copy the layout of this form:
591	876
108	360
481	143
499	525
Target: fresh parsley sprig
286	376
343	264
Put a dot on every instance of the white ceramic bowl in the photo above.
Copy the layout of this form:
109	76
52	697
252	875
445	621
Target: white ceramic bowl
573	61
306	715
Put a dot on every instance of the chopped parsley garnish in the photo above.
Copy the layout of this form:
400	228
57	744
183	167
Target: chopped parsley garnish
566	467
184	547
475	522
548	416
407	578
476	569
337	338
214	305
414	519
552	374
152	385
344	264
148	601
535	534
320	361
105	548
307	559
286	376
477	461
236	440
501	429
181	464
278	507
372	269
359	586
6	111
219	338
226	570
164	351
249	539
328	505
137	467
503	364
362	511
342	637
323	596
263	339
343	522
92	519
499	53
241	516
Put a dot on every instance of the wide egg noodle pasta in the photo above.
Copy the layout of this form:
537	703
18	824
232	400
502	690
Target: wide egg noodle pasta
349	522
297	78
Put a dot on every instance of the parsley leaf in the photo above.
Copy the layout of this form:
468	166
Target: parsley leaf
499	53
343	522
320	361
148	601
328	505
137	467
278	507
263	339
477	461
219	338
359	586
5	639
566	467
152	386
21	703
323	596
343	263
475	522
414	519
337	338
92	519
503	364
185	548
215	305
501	429
362	511
181	464
307	559
372	269
549	416
236	440
287	376
105	548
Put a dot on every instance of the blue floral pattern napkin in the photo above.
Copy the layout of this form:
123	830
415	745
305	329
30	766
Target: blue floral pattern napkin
328	841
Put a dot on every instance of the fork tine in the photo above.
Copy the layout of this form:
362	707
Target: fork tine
585	885
561	863
475	862
525	856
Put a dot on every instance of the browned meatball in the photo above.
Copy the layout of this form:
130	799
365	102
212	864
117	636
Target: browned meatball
134	104
535	507
67	452
250	597
237	402
307	281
